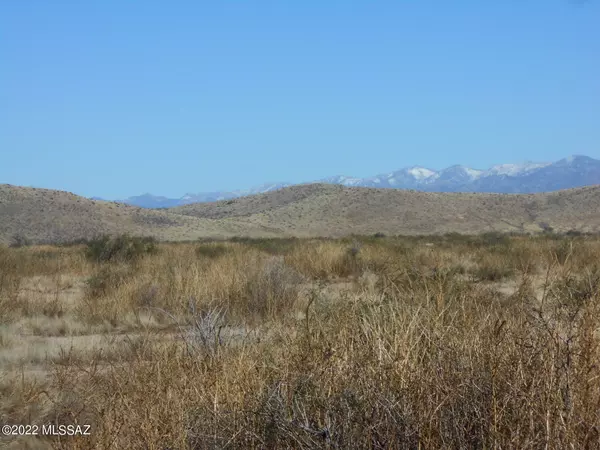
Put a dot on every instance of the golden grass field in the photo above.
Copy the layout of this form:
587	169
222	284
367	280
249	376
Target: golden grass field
393	342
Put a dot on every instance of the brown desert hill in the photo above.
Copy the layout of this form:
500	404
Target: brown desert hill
44	215
333	210
253	204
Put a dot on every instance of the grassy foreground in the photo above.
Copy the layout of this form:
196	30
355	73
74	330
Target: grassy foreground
437	342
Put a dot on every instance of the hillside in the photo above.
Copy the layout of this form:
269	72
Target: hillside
329	210
44	215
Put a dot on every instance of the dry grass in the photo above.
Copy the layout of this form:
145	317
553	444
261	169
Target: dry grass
438	342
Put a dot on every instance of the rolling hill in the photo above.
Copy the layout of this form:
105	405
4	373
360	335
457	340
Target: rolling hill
44	215
330	210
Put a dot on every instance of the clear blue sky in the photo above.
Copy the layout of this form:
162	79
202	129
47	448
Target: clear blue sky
115	98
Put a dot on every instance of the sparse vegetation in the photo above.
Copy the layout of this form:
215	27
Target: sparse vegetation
19	240
119	248
211	250
366	342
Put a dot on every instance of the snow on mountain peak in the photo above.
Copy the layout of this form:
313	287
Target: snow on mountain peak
420	173
512	170
472	173
343	180
528	177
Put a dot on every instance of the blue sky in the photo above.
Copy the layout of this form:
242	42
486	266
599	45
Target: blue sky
116	98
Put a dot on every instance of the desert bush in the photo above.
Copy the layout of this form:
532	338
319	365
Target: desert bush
202	330
19	240
490	270
119	248
269	292
106	280
572	290
522	257
10	282
323	260
102	301
574	233
273	246
495	238
211	250
563	251
546	228
248	285
454	239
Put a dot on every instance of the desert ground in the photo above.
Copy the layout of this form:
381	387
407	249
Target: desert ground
450	341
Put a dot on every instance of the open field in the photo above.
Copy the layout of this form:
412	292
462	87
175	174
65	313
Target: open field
388	342
315	210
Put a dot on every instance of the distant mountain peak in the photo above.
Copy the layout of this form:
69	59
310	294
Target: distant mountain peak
342	179
512	170
526	177
577	159
421	173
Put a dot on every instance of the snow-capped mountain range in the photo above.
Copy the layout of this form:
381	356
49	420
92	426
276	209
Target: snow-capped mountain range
528	177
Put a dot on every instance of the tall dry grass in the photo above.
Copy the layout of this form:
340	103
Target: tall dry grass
465	343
